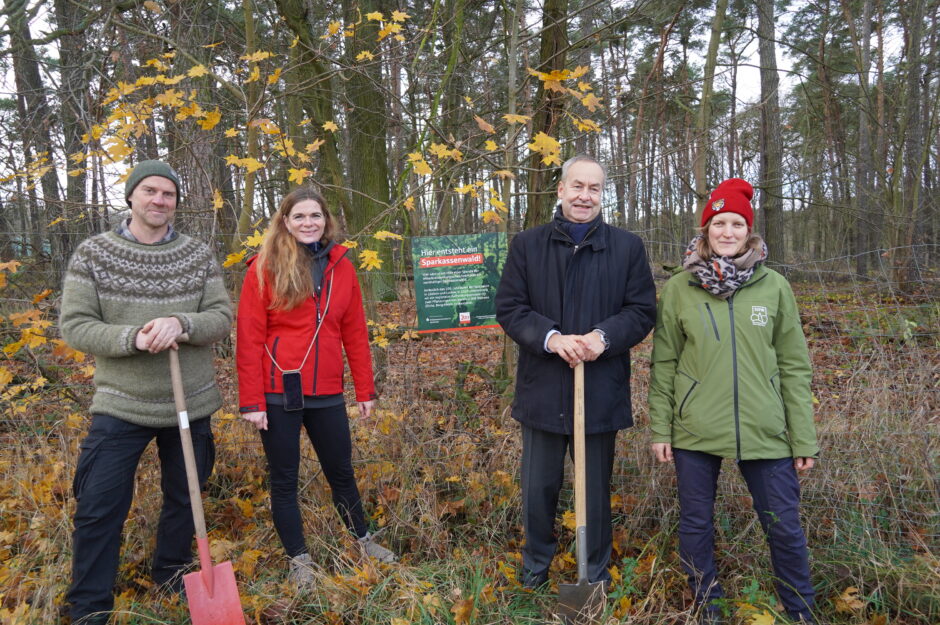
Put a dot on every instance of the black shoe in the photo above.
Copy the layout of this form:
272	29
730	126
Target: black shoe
533	582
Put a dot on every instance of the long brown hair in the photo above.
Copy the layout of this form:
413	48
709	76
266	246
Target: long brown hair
282	258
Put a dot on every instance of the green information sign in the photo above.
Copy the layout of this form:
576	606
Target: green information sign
456	279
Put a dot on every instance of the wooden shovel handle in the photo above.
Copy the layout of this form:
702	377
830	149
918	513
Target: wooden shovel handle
580	480
189	457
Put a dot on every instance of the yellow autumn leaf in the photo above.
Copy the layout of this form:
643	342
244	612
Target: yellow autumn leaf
375	16
332	29
467	188
5	377
384	235
196	71
381	340
422	168
210	120
153	6
547	146
491	217
231	132
314	145
276	76
568	520
234	259
849	601
484	125
260	55
254	239
398	16
491	146
579	71
512	118
369	260
505	173
399	621
216	200
330	127
351	244
38	297
157	64
213	45
11	265
255	74
586	125
552	76
409	203
753	616
365	55
55	221
585	86
498	204
591	102
298	175
463	611
170	97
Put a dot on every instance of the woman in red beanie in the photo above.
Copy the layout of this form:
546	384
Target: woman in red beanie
731	379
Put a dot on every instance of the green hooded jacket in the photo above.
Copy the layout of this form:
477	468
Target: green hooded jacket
732	377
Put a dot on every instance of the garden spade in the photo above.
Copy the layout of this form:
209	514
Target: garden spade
211	592
582	602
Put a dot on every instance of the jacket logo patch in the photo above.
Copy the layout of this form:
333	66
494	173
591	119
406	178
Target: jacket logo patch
759	315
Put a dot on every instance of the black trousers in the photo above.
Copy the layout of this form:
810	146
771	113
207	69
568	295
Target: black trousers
328	430
775	490
543	462
104	487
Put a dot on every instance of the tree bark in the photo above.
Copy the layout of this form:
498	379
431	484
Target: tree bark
771	143
550	106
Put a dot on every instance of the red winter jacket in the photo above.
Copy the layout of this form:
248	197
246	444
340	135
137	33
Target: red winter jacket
288	334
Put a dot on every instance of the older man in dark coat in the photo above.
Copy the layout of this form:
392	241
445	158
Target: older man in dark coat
573	290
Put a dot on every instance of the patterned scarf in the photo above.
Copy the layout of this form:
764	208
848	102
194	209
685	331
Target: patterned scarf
723	275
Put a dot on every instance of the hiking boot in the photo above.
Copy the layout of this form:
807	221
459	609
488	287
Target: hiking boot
376	551
301	571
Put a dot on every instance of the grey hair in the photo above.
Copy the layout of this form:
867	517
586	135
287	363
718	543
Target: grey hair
581	158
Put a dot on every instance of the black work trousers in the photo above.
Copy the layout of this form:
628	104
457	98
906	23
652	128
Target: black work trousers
775	490
543	463
104	487
328	430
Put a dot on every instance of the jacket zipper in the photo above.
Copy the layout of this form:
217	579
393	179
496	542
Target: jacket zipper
712	317
734	373
316	347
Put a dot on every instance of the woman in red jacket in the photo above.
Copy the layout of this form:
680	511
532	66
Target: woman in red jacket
300	308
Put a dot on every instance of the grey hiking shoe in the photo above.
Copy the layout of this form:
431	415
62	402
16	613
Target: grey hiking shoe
301	571
376	551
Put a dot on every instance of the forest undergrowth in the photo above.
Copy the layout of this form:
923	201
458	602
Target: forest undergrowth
438	471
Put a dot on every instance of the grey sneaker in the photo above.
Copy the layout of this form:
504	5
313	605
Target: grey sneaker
376	551
301	571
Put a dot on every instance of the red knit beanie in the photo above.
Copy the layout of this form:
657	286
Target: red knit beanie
731	196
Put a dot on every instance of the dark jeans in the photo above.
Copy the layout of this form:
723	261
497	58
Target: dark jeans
775	490
104	487
328	430
543	463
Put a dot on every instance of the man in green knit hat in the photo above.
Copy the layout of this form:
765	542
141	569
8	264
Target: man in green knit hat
128	295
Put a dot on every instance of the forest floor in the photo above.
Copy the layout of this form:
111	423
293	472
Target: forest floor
438	471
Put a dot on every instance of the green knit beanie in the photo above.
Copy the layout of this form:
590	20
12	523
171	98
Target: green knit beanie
152	168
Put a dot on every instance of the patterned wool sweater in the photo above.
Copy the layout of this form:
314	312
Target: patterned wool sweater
113	286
